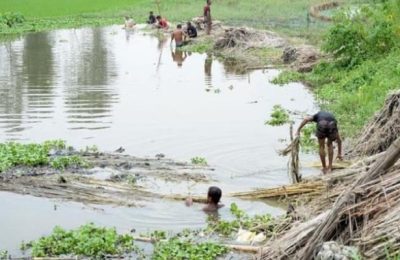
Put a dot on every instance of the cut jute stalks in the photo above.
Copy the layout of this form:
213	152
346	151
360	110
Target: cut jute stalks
365	214
310	188
293	150
326	230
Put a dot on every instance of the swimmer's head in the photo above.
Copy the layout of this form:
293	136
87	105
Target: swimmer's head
214	195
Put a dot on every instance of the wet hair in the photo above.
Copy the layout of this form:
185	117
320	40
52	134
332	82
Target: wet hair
158	17
179	26
214	193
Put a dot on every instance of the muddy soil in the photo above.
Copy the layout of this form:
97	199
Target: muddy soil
112	179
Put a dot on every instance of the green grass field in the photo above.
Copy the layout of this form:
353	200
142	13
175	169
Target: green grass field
289	16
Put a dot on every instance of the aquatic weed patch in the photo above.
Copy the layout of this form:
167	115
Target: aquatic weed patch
279	116
17	154
181	249
257	223
88	241
199	161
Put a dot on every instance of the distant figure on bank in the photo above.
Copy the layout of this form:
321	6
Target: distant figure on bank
129	23
327	132
178	35
152	19
191	31
213	197
161	23
207	16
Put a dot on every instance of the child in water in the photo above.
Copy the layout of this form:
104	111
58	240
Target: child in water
213	197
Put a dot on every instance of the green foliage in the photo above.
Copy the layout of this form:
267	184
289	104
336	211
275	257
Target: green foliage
16	154
199	161
3	254
258	223
365	33
88	240
201	46
178	249
286	77
11	19
63	162
308	142
279	116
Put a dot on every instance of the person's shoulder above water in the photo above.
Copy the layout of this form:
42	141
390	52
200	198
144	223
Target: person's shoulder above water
323	115
213	198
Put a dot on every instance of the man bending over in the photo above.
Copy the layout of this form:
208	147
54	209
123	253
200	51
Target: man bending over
327	132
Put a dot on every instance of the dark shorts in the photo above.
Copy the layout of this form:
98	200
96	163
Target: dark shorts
327	129
179	44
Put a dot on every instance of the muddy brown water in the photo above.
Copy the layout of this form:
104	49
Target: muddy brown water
110	88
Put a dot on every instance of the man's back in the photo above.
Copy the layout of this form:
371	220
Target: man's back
178	35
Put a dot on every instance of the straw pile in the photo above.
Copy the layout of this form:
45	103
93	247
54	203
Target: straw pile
382	130
246	38
365	213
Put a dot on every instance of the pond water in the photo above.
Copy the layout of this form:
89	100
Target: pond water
111	88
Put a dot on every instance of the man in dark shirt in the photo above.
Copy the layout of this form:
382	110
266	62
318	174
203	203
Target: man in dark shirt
191	31
327	132
152	18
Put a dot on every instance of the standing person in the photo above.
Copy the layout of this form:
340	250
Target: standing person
178	36
207	16
152	18
191	30
327	132
161	22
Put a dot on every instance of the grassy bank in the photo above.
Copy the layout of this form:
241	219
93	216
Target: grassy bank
362	67
284	15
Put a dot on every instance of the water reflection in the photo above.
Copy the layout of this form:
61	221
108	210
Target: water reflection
89	95
178	56
207	70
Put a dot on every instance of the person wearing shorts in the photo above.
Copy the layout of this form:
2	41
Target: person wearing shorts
327	132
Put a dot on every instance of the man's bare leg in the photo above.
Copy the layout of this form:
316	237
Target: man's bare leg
330	155
321	143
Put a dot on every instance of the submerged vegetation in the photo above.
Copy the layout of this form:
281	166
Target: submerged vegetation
16	154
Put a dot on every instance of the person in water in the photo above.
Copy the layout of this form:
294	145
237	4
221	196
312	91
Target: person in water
327	132
129	23
161	23
178	35
191	31
152	19
213	198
